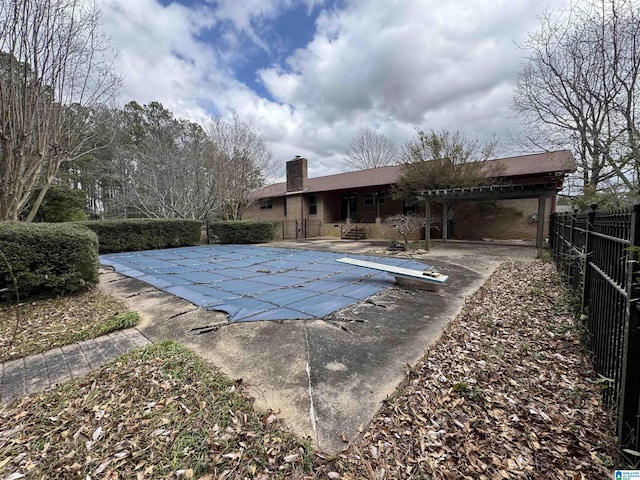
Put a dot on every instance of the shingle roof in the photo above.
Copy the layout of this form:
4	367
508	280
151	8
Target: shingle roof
537	163
534	164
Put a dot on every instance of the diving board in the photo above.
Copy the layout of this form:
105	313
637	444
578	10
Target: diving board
428	276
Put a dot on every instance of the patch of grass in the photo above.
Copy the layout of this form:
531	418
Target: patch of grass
157	412
472	393
40	325
545	255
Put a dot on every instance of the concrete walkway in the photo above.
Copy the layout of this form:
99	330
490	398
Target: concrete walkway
36	373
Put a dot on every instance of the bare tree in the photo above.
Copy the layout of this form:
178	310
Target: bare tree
53	55
164	165
242	161
406	225
441	159
370	149
578	88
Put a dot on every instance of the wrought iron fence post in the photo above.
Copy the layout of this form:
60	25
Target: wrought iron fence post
588	248
572	228
573	261
552	230
629	396
565	248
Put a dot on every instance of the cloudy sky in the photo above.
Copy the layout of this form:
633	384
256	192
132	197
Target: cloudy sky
309	73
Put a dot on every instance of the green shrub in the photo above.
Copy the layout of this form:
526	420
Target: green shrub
46	259
62	204
144	233
247	231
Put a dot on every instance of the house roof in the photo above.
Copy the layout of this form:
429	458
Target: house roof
560	161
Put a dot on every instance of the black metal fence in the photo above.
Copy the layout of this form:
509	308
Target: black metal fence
598	254
289	229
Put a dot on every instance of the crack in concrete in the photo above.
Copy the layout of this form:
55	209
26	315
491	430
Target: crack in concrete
184	312
137	294
312	410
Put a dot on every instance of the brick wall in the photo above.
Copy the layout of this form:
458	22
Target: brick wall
502	219
276	212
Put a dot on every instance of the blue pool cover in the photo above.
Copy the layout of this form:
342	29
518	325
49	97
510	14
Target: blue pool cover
257	283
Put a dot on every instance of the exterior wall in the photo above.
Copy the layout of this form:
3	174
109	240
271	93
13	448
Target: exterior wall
295	207
254	212
383	231
376	231
331	229
330	207
501	220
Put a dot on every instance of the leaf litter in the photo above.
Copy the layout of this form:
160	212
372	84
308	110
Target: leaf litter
158	412
507	392
45	323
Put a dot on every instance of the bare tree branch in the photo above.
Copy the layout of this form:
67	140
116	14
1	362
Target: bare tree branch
370	149
578	87
242	161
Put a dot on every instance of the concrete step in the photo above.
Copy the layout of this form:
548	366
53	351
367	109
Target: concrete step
354	234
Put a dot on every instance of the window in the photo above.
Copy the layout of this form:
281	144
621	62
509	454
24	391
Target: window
313	205
374	198
266	203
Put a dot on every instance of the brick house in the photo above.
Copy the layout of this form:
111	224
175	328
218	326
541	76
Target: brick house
355	204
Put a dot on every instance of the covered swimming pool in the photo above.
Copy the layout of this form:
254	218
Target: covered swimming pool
253	283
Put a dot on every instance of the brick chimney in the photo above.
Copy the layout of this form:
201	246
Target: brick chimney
297	174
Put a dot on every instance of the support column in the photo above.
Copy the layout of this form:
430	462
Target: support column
445	221
427	228
540	233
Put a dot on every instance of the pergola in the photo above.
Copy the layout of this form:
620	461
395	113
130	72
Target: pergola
541	191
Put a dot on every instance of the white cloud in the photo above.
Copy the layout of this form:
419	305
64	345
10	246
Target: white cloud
389	65
159	57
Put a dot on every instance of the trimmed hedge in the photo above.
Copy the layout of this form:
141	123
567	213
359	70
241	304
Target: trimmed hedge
46	259
134	234
241	231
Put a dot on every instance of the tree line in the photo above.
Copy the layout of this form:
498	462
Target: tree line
144	162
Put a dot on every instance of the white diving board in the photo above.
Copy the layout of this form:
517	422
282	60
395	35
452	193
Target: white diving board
428	276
